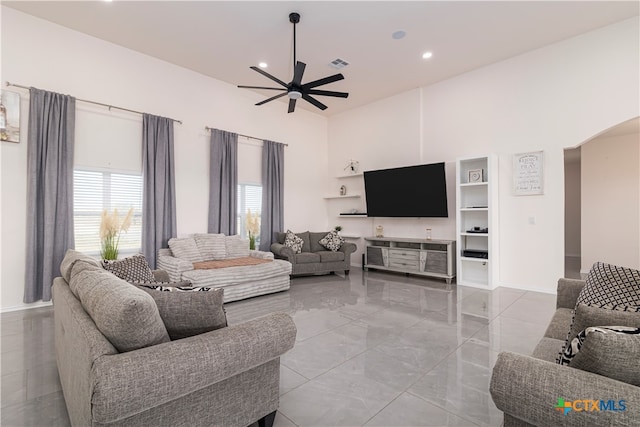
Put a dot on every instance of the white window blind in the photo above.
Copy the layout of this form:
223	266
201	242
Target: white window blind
94	191
249	197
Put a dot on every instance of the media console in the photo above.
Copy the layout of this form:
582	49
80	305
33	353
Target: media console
424	257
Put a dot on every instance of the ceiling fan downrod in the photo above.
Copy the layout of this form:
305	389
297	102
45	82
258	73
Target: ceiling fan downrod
294	18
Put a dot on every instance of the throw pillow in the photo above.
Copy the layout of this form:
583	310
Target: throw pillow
186	249
585	316
294	242
211	246
186	314
132	269
611	351
236	247
611	286
607	287
332	241
576	344
127	316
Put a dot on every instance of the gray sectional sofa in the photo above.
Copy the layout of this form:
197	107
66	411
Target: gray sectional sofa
314	258
528	388
119	367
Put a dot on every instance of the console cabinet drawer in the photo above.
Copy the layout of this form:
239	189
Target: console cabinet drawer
404	254
404	264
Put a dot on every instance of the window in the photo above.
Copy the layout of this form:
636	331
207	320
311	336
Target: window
249	198
94	191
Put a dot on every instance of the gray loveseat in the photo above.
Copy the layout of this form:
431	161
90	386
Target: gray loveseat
528	388
314	258
225	377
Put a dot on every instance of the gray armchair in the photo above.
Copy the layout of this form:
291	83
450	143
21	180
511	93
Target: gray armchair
527	388
314	258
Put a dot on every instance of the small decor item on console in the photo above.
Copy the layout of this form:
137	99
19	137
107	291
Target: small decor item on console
428	234
343	190
379	231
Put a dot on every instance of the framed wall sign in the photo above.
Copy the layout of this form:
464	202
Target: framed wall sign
528	175
9	116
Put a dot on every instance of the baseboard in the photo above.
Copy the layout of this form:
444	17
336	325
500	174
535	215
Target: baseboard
39	304
528	288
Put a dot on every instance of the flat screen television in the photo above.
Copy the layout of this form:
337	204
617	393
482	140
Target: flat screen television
412	191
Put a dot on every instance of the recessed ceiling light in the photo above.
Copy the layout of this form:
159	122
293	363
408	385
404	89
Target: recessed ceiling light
263	65
427	55
397	35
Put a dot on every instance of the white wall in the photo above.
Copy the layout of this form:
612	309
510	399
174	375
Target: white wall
548	99
573	208
379	135
610	202
41	54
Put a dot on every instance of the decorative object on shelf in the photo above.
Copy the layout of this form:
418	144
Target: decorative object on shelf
337	229
379	231
428	234
9	116
352	166
527	173
253	228
343	190
110	230
475	175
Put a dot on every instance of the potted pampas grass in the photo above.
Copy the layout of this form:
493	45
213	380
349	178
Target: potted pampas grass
110	230
253	228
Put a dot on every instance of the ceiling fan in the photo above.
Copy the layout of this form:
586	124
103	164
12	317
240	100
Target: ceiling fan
296	89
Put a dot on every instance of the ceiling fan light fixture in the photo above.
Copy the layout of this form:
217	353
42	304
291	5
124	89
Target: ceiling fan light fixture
295	89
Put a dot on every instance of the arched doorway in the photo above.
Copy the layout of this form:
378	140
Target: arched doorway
602	200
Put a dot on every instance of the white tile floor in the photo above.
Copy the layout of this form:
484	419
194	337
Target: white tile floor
372	349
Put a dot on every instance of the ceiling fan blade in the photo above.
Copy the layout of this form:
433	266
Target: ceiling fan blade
261	87
314	101
327	93
292	105
272	98
298	72
264	73
323	81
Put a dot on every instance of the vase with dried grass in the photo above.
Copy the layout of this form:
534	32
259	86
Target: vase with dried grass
110	230
253	228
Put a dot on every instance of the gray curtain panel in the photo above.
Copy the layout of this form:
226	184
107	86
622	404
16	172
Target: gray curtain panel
49	189
272	219
159	188
223	182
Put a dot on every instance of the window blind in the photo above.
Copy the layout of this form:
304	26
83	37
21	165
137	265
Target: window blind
94	191
249	197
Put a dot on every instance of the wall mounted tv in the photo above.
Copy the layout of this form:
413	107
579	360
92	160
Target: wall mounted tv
413	191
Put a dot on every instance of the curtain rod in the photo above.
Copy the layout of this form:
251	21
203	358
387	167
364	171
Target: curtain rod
246	136
96	103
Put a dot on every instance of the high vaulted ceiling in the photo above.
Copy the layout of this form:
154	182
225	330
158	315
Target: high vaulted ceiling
222	39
